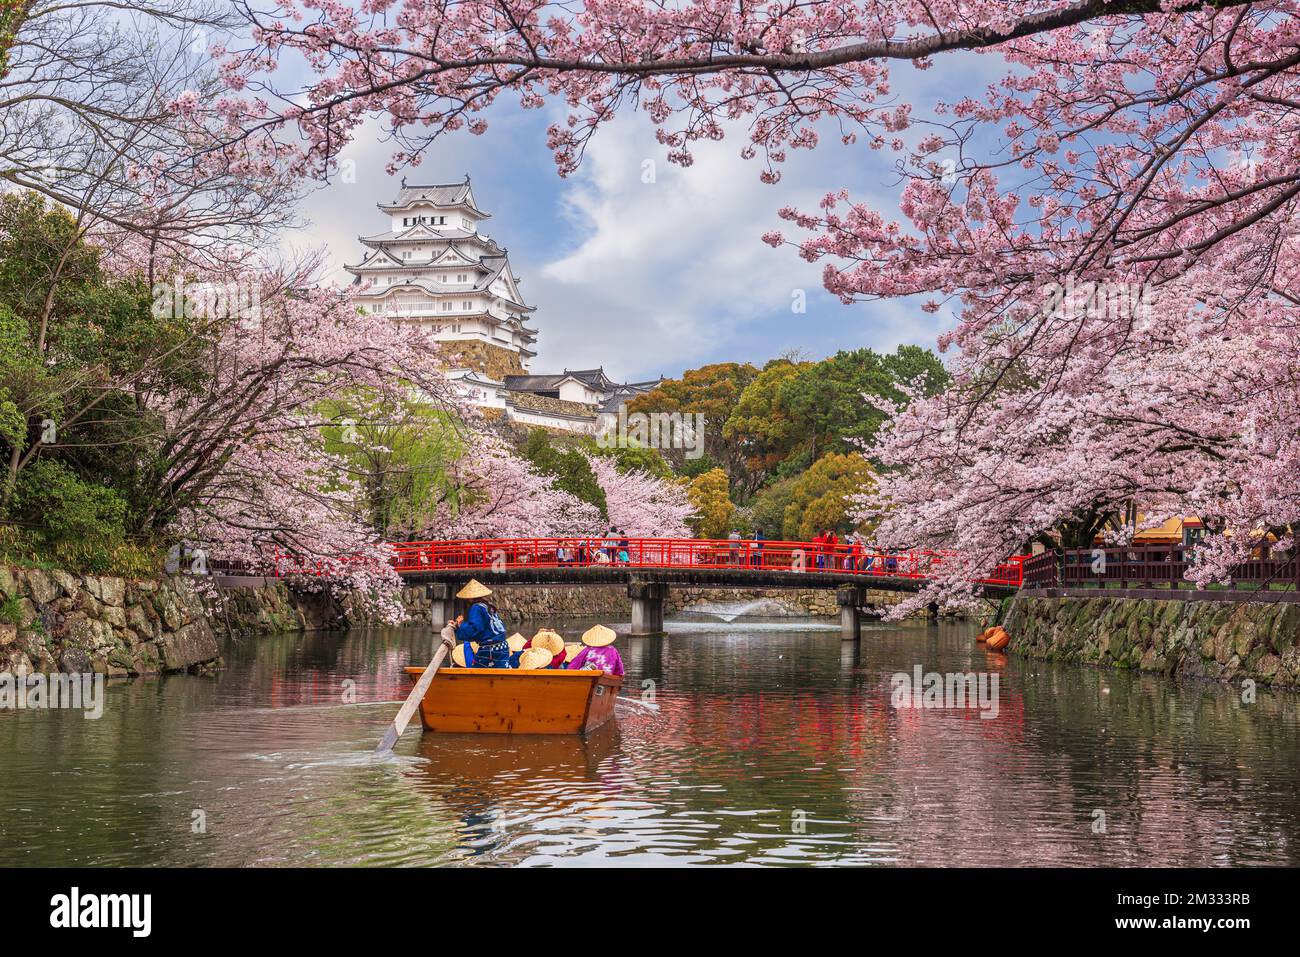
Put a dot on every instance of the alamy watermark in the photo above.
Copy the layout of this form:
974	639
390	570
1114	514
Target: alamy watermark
208	300
655	430
1098	300
950	691
39	692
133	912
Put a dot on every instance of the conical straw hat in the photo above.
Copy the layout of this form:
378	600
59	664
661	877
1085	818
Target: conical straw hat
475	589
571	649
549	640
516	642
534	658
458	653
598	636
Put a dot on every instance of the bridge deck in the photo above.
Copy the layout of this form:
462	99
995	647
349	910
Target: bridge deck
695	562
700	577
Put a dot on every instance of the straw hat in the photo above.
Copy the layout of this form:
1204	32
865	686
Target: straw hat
598	636
549	640
534	658
458	653
516	642
475	589
571	649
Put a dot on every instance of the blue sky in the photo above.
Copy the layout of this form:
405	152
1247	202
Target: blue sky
644	278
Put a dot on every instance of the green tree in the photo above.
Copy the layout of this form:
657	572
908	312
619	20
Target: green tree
764	425
400	453
77	523
80	353
793	413
820	498
707	494
567	466
711	391
766	510
631	457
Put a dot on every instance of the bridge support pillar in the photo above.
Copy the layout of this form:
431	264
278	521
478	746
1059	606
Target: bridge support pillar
442	602
850	599
647	606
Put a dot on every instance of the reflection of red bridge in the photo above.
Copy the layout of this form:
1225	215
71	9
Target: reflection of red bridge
649	566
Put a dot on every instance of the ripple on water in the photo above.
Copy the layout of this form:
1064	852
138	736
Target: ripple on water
767	748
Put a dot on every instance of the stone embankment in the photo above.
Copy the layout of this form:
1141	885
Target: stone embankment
1227	641
53	621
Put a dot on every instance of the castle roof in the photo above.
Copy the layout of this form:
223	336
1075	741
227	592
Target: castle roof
438	194
595	379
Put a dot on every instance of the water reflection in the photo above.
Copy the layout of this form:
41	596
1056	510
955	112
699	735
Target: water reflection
773	743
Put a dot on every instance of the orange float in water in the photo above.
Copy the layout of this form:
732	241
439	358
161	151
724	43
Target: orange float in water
986	633
998	640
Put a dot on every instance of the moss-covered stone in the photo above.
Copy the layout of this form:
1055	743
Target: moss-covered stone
1224	640
105	624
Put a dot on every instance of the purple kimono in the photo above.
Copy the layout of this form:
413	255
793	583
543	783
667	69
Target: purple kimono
598	659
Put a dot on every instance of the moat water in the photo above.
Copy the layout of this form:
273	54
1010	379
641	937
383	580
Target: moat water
772	744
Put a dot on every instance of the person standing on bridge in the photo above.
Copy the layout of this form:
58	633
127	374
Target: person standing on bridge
734	547
857	549
483	625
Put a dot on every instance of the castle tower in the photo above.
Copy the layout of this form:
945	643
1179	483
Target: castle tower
433	268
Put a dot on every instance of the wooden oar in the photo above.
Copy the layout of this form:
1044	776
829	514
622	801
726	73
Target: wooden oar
417	694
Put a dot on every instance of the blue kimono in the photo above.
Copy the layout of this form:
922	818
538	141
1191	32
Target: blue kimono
484	626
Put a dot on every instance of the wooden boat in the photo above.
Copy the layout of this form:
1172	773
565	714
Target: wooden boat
517	701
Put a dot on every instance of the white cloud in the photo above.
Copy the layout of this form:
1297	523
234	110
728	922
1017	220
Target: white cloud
667	273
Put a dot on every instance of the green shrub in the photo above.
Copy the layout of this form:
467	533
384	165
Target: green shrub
70	522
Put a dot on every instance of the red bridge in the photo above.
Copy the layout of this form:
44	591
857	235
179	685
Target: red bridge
501	556
648	567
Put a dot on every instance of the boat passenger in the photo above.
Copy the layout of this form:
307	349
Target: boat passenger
483	625
534	659
550	642
598	655
517	644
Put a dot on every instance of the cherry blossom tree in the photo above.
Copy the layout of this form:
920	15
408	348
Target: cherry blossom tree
239	463
640	504
1111	219
498	494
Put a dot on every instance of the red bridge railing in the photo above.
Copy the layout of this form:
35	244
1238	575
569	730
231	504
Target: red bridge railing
675	553
1146	567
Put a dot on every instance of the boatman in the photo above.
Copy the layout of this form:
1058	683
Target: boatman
481	625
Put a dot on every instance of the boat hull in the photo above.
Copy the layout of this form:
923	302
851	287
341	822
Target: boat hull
515	701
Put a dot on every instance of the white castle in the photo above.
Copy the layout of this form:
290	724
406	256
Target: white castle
434	268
